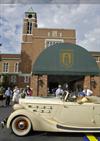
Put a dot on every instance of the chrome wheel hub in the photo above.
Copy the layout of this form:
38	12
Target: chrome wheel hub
21	125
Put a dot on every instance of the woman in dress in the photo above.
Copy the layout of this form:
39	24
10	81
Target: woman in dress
15	97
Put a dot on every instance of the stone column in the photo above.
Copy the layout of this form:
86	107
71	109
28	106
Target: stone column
87	82
39	85
42	85
96	85
33	84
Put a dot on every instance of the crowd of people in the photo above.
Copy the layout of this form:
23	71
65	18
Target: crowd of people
84	93
13	95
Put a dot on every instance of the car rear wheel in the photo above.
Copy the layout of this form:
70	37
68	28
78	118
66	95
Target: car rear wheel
21	126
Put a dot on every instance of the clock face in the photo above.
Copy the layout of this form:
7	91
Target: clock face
30	16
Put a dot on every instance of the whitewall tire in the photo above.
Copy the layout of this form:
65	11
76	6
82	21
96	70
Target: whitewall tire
21	126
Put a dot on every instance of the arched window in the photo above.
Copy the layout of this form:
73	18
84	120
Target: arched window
5	67
29	27
16	68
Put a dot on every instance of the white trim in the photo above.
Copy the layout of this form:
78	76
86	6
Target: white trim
26	42
25	74
45	36
28	21
10	58
16	73
28	18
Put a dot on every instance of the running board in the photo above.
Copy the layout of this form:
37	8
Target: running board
76	129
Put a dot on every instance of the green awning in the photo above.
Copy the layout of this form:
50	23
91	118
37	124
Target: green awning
65	59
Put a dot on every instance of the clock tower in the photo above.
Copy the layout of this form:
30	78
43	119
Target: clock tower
30	21
29	24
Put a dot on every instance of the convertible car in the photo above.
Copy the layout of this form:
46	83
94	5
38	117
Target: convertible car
55	115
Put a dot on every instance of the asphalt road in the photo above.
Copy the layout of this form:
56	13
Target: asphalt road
7	135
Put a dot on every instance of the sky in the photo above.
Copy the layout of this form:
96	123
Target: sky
83	17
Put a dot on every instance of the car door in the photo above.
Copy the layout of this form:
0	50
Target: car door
76	115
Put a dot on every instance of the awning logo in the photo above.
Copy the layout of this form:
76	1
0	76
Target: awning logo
66	57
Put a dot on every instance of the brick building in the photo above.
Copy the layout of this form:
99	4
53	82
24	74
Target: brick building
34	41
9	68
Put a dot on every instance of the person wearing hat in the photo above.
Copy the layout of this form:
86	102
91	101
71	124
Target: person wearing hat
28	91
59	91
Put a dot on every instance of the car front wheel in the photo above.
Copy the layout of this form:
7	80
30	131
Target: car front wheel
21	126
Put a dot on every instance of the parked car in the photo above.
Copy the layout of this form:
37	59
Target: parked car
54	115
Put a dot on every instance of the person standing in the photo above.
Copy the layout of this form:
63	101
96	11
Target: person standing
28	91
87	92
59	91
15	98
8	95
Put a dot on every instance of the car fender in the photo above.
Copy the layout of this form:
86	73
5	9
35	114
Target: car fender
23	112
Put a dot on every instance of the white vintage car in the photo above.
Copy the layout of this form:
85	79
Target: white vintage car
55	115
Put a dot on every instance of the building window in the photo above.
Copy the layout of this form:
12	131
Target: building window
13	78
48	34
26	79
54	33
16	67
97	58
29	28
49	42
60	34
5	67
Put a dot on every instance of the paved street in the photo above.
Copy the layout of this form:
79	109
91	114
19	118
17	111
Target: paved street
7	135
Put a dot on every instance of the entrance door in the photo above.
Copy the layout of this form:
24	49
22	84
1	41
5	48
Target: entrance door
55	80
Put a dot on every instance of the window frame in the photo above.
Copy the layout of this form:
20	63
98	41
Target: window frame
16	67
5	67
52	42
13	78
26	79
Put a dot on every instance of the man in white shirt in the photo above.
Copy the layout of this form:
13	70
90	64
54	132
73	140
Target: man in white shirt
87	91
59	91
